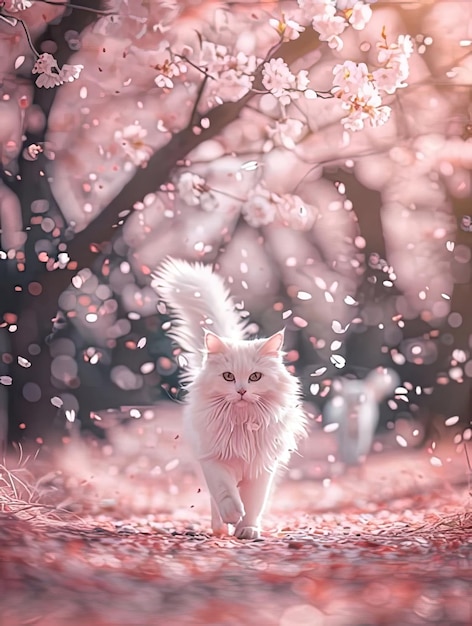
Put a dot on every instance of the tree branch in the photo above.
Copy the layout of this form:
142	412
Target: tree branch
148	180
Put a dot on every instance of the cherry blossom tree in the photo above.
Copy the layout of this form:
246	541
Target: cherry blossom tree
318	151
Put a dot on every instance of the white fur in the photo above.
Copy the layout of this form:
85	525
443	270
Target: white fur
198	299
241	430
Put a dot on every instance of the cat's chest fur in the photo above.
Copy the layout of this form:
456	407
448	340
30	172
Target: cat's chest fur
251	437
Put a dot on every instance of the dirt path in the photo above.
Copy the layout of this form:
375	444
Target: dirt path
117	534
410	564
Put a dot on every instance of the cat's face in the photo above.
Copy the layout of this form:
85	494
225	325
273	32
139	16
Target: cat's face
244	372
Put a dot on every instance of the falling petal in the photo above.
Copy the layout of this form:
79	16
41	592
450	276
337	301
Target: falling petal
303	295
319	371
450	421
350	301
249	166
182	361
300	322
330	428
171	465
401	441
338	328
401	390
337	360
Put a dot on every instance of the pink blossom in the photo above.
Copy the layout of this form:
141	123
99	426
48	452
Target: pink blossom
69	73
288	29
167	71
47	68
360	15
329	26
164	81
394	59
232	75
350	76
259	208
235	77
213	56
230	86
380	115
161	60
131	139
357	118
281	83
356	87
295	213
12	6
366	105
286	133
194	191
388	79
301	81
315	8
397	52
277	77
49	73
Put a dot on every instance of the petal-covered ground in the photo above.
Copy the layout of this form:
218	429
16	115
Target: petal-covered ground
125	540
408	564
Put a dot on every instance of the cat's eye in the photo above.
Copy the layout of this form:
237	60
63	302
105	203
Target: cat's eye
228	376
255	376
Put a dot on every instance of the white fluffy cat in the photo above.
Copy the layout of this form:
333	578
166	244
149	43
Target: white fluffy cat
243	411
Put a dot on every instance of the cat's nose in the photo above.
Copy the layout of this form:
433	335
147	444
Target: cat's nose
241	391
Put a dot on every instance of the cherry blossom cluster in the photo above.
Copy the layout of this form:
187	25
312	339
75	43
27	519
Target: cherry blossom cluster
46	66
168	66
131	139
50	75
263	207
260	208
286	132
288	29
194	191
393	59
360	90
230	76
278	79
330	18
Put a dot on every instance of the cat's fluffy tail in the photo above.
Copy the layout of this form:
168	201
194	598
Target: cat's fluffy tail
197	298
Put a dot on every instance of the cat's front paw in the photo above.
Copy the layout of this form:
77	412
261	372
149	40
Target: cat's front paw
247	532
231	511
220	530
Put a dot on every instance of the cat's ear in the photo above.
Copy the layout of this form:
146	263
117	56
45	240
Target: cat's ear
213	344
273	345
